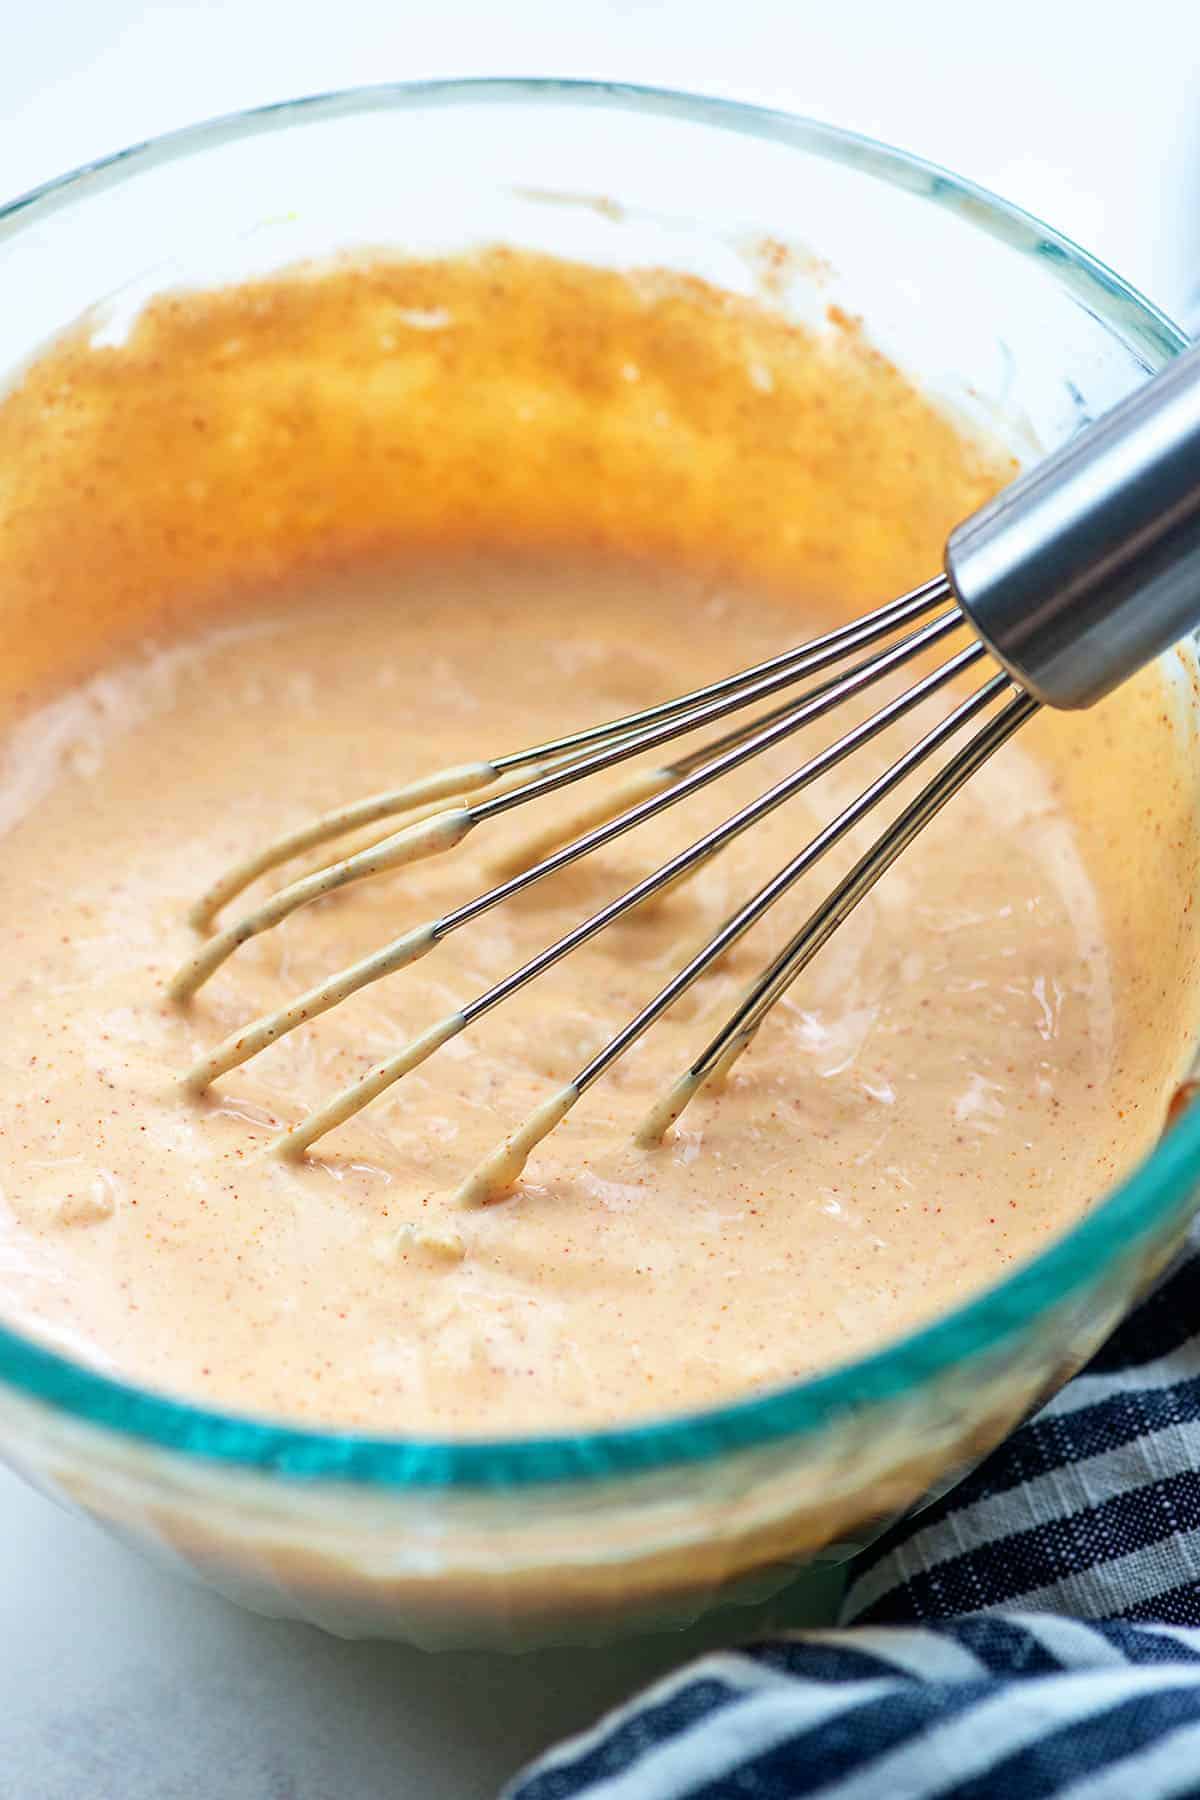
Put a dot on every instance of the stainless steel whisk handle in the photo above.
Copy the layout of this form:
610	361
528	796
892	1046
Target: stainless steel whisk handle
1089	565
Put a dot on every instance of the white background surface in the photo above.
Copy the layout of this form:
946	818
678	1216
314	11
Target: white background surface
119	1683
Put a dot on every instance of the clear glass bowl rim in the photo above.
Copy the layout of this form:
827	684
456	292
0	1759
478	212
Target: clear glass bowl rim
1129	1214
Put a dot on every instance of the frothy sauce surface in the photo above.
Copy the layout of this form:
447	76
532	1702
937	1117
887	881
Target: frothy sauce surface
982	1050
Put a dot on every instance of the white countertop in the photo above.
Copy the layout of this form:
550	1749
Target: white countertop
119	1682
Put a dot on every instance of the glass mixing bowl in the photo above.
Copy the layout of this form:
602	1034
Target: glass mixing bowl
585	1536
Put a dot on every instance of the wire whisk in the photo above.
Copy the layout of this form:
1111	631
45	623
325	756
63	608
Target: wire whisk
1071	579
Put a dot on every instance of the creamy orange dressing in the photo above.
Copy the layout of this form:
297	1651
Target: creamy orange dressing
988	1043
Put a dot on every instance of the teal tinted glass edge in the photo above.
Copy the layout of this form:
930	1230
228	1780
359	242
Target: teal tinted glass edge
1158	1189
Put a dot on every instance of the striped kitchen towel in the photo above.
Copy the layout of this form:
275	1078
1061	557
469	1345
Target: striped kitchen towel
1035	1632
